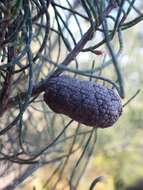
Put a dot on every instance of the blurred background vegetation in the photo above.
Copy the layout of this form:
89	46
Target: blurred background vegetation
114	153
118	151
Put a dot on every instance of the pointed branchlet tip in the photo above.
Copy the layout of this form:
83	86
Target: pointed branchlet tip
84	101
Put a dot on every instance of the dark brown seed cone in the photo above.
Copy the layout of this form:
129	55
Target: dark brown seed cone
84	101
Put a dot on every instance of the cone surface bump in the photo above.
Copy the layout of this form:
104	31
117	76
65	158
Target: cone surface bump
84	101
